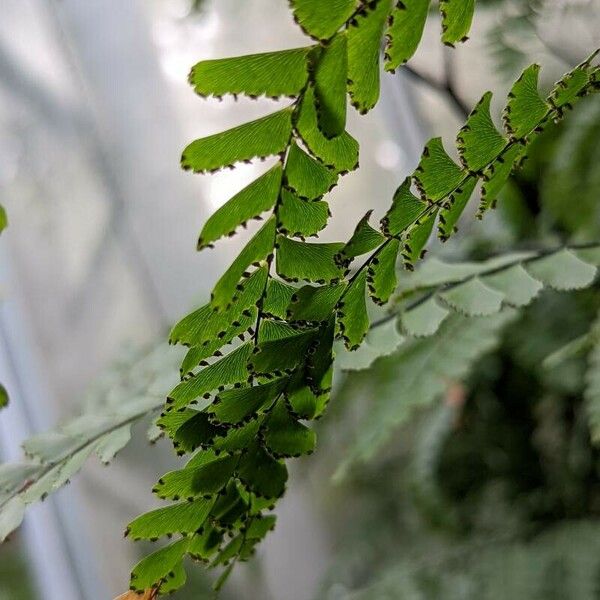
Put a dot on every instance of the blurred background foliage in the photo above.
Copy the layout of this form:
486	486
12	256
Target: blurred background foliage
492	491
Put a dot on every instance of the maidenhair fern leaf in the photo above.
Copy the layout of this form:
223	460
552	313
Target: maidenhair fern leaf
339	153
228	370
282	354
285	436
261	473
305	176
479	142
155	568
330	77
307	404
452	210
406	25
258	139
273	74
424	318
405	210
319	19
310	262
301	218
525	109
495	177
363	240
416	238
352	310
381	274
258	197
185	517
12	512
570	87
277	298
311	303
437	175
518	287
563	271
457	16
258	249
473	298
364	48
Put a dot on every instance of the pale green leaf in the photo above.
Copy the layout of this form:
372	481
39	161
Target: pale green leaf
562	271
518	287
258	139
108	446
424	318
473	298
274	74
11	515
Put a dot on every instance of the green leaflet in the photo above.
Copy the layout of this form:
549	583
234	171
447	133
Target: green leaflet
197	431
305	176
457	16
261	473
202	326
228	370
319	362
381	274
155	568
525	109
518	287
363	240
310	262
275	329
234	406
473	298
256	198
282	354
339	153
301	218
424	318
311	303
364	47
285	436
416	238
352	312
238	438
264	137
437	175
450	213
320	20
277	298
176	579
274	74
478	141
562	271
305	403
405	210
569	88
191	482
204	545
330	75
405	30
185	517
258	249
496	176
